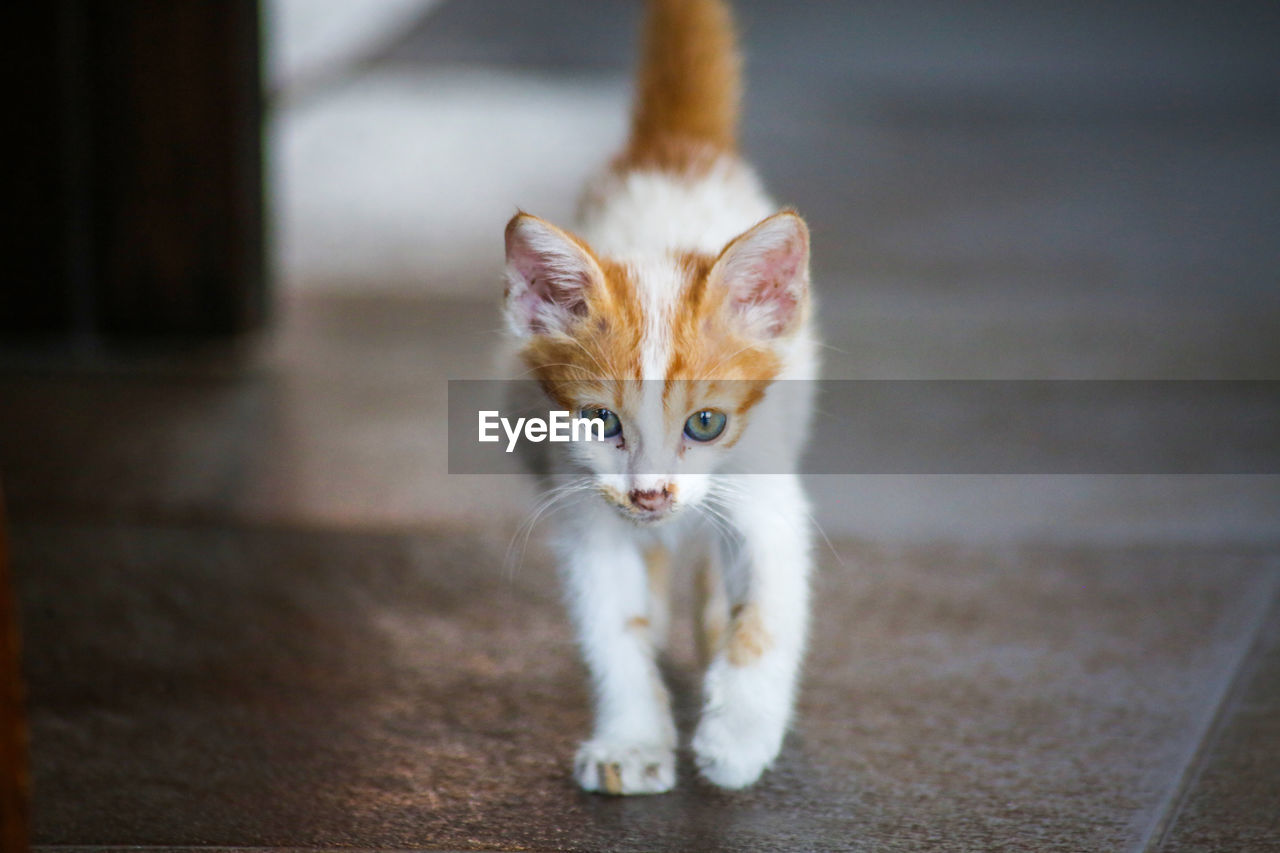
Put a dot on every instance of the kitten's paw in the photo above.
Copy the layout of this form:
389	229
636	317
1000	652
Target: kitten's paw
732	751
612	767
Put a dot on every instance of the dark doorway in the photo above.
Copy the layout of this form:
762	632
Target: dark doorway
139	207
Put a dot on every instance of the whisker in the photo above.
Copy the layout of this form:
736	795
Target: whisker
557	364
730	488
825	345
826	539
546	505
590	355
722	361
717	521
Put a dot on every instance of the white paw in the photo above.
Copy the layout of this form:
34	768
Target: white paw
732	750
613	767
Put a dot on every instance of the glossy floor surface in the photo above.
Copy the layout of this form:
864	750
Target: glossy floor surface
260	612
231	686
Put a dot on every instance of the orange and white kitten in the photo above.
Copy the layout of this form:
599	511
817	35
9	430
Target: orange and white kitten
674	311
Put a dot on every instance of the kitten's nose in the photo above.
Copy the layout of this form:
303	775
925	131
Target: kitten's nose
652	500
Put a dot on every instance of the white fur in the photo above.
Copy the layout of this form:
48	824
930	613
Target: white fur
651	213
748	708
755	523
659	283
606	587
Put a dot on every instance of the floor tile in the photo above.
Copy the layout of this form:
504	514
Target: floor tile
1232	796
196	685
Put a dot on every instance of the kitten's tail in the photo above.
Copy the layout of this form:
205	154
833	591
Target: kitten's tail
689	85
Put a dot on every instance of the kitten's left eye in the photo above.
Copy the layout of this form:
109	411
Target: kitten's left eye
612	425
705	425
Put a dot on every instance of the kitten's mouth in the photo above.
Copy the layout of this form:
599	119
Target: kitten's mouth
646	518
638	515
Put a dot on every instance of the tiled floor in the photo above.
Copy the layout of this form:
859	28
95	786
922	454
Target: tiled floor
258	613
1233	781
231	686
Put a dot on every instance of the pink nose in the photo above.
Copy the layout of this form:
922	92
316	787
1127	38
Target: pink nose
652	500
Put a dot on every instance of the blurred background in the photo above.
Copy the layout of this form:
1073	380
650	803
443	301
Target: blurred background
1003	192
1002	158
256	239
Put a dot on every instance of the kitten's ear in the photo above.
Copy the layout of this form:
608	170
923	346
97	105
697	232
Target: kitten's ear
766	270
549	277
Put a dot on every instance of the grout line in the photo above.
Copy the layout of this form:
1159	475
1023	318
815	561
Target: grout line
1228	701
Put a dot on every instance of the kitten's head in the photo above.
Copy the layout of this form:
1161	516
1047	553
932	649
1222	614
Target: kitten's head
672	353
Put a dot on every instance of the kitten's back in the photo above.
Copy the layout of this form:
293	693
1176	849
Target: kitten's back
678	185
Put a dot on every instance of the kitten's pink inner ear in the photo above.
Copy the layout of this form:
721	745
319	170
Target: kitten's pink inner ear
767	272
549	277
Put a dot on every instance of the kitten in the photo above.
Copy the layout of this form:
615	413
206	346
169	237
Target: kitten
672	312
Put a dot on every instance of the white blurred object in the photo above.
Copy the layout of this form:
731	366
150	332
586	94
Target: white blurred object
403	180
310	38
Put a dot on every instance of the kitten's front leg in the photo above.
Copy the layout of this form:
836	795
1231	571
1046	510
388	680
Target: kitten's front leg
750	683
632	749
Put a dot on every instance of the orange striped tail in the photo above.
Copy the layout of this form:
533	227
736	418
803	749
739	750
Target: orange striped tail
689	85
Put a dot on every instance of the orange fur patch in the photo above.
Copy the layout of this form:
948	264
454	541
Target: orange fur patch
711	364
677	155
657	564
711	612
689	86
614	496
748	639
611	779
604	345
704	343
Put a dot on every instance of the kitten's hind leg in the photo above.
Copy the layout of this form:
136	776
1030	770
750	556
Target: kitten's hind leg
711	605
750	684
657	564
632	747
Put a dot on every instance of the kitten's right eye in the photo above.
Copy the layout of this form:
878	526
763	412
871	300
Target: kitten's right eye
612	426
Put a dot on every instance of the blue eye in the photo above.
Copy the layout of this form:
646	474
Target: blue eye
612	426
705	425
